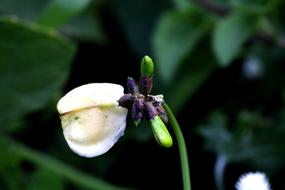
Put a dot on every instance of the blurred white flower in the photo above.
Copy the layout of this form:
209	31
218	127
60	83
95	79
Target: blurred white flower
91	118
252	67
253	181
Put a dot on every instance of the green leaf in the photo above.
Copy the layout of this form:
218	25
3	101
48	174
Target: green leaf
7	157
218	137
175	37
11	178
86	27
187	85
10	168
253	139
191	77
255	6
82	26
182	4
26	9
34	66
59	168
59	12
137	20
45	180
230	34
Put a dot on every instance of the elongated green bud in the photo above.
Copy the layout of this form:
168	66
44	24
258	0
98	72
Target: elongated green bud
147	66
160	132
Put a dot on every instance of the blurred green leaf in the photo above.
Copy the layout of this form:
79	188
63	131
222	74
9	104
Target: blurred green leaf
230	34
182	4
7	157
188	84
216	134
59	12
25	9
252	139
82	25
11	178
85	26
34	66
57	167
10	170
43	179
255	6
137	20
192	76
175	37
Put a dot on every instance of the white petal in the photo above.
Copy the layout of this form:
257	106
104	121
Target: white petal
88	95
253	181
93	131
91	119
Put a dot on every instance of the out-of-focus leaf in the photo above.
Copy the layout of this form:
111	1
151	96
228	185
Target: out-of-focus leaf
137	19
182	4
11	178
175	37
191	77
258	142
25	9
59	12
230	34
10	171
80	25
7	157
218	137
34	66
254	6
57	167
86	26
188	84
45	180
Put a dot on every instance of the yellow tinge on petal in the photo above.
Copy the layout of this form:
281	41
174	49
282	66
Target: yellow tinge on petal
91	119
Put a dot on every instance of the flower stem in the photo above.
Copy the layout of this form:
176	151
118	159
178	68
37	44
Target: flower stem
182	148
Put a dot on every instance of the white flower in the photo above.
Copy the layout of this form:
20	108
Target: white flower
91	118
253	181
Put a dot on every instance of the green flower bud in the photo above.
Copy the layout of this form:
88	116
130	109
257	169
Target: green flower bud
147	66
160	132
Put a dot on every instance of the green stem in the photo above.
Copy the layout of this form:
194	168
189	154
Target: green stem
58	167
182	148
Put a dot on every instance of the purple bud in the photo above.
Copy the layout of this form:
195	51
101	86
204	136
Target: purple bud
146	84
125	100
132	86
161	112
137	110
151	111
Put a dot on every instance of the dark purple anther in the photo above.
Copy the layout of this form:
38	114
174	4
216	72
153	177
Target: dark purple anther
161	112
125	100
132	86
151	111
146	85
137	110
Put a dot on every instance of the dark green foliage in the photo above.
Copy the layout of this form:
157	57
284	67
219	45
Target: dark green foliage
34	66
208	56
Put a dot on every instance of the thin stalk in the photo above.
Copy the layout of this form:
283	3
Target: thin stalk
58	167
220	166
182	148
